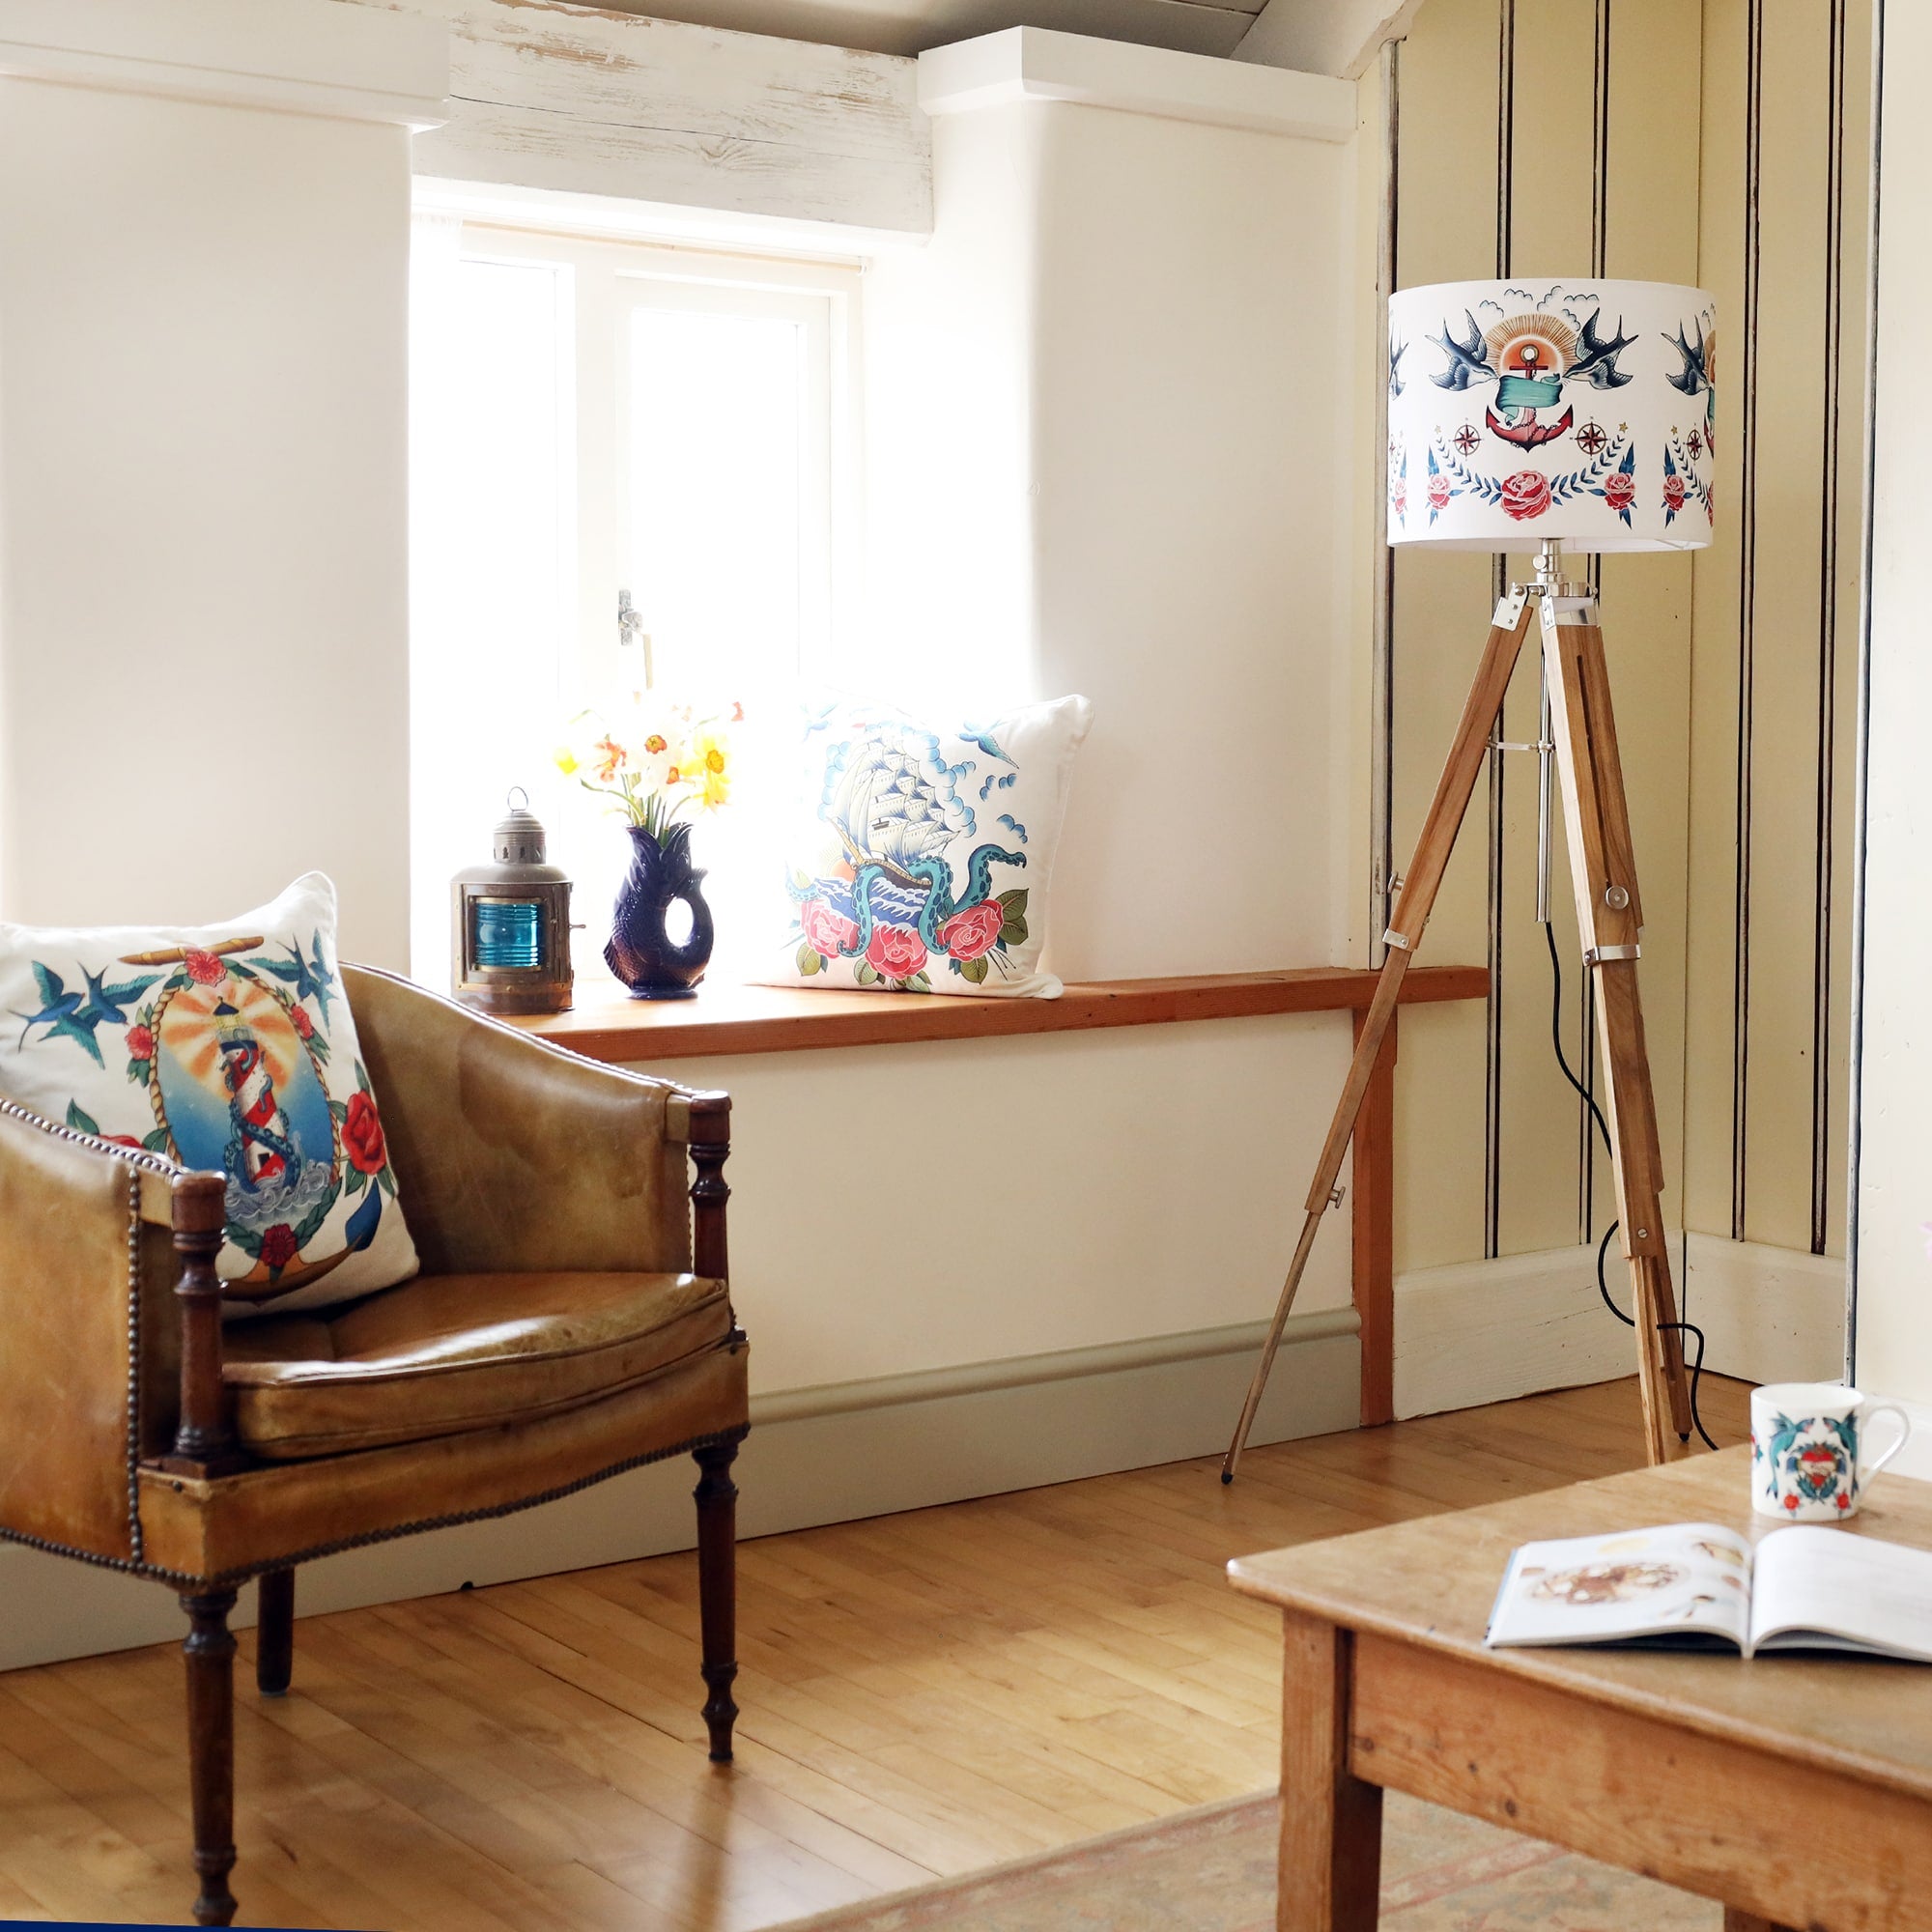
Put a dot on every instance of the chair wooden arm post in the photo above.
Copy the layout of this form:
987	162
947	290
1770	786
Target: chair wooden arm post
710	1147
205	1436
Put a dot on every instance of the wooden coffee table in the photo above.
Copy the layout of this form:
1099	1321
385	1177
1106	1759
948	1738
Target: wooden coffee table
1798	1790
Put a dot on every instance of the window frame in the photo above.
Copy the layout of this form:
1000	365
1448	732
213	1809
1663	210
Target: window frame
822	295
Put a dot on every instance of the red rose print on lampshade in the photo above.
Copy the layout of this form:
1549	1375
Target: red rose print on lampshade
1579	409
1526	495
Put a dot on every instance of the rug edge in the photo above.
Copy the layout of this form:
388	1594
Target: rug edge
1012	1867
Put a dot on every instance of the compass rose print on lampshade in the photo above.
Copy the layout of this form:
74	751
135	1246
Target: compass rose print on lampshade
1526	410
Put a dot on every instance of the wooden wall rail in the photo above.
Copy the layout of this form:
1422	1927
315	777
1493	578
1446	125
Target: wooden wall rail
782	1019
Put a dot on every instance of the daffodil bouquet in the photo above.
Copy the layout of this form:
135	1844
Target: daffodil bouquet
652	760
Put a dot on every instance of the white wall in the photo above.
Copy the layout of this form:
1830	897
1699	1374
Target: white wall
203	642
1894	1329
1193	517
897	1209
1110	450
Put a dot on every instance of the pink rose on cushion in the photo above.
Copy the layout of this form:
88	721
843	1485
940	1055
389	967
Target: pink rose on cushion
1438	492
1399	497
1620	491
1673	491
362	1138
205	969
1526	495
299	1018
140	1043
975	930
826	931
896	951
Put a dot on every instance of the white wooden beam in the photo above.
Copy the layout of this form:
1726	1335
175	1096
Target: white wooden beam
1338	37
550	95
304	56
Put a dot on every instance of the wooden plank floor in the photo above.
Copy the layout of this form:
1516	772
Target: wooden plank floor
923	1693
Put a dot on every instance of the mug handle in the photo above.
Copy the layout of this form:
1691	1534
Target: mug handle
1904	1421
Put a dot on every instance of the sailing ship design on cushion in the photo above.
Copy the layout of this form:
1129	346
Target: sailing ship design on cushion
927	858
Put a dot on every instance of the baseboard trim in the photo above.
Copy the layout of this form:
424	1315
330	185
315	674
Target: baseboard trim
820	1454
1241	1338
1491	1331
1769	1314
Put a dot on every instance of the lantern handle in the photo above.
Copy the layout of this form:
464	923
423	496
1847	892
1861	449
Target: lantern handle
510	798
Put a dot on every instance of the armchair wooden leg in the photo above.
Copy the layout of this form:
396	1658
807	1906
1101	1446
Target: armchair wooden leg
275	1632
718	1589
209	1650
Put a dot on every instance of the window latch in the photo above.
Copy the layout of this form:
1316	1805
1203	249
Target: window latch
631	631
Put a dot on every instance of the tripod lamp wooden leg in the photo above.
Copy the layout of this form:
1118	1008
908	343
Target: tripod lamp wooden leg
1609	916
1414	905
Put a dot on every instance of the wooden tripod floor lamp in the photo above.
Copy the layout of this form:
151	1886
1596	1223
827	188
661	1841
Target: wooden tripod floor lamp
1535	414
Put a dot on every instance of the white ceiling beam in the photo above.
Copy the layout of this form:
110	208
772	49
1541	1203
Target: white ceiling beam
1337	36
578	101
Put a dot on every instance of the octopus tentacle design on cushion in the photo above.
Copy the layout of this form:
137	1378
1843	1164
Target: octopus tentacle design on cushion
901	881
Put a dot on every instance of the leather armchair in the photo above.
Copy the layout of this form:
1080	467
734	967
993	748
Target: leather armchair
571	1320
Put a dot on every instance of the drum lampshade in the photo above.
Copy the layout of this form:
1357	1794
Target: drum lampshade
1532	409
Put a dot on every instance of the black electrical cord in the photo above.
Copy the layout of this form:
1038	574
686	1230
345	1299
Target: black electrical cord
1589	1101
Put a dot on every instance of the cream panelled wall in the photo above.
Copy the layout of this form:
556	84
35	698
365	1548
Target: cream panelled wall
1657	140
1785	221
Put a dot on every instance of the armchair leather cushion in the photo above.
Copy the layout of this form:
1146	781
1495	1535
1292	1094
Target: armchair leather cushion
445	1353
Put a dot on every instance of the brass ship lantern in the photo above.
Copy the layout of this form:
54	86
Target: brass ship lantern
509	942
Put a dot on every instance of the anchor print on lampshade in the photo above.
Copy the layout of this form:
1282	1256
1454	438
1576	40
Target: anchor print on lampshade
1582	410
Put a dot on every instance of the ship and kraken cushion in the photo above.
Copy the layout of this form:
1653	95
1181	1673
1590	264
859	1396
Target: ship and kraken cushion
229	1048
921	854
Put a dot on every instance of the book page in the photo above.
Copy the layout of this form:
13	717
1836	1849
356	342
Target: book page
1823	1580
1683	1581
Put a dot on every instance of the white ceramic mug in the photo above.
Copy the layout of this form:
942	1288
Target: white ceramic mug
1808	1461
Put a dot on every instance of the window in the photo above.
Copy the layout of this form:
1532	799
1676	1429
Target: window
628	466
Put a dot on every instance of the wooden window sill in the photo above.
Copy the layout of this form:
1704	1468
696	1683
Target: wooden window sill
785	1019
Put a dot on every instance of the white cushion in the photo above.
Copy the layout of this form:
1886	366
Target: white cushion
921	859
229	1048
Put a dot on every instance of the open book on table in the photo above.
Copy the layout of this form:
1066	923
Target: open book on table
1696	1585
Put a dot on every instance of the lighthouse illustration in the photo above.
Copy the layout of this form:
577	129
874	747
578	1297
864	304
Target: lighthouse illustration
262	1150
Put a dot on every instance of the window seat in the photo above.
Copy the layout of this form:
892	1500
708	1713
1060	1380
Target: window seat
608	1025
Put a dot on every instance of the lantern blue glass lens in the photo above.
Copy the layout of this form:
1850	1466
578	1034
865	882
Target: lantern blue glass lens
505	934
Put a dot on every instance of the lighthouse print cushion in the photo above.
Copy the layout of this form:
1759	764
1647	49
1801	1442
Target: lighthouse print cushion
921	855
228	1048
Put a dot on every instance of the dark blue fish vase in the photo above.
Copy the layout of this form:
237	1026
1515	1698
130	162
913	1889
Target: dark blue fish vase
641	952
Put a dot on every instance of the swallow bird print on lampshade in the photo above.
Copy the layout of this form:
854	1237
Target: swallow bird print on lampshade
1526	410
